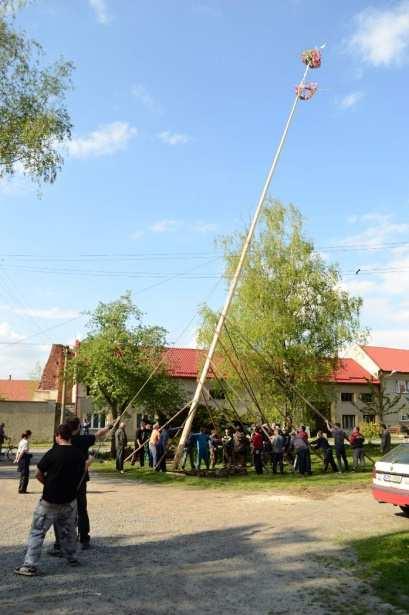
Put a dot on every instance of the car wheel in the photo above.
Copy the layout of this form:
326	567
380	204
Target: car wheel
405	510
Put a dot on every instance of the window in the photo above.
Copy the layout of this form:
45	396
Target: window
367	398
400	386
400	454
347	397
369	418
97	421
348	421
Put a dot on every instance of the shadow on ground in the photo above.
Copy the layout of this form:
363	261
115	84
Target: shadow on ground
240	570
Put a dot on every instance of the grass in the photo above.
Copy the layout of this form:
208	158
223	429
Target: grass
383	561
319	481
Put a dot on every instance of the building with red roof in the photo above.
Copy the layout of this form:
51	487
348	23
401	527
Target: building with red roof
17	390
351	385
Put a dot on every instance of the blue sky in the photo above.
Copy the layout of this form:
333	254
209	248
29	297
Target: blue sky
177	107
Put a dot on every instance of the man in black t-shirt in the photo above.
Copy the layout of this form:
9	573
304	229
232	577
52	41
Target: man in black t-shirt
60	471
83	443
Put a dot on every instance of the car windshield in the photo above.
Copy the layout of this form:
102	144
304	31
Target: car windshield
400	454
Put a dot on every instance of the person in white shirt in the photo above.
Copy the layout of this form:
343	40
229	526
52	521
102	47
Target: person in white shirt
22	459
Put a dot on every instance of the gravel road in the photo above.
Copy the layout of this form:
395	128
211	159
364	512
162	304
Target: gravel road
165	550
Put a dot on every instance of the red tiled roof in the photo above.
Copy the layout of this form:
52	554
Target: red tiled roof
17	390
184	362
388	359
349	371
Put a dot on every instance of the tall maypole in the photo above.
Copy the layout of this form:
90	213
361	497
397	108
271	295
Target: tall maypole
303	91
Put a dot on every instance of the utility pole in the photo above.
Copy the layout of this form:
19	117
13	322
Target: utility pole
64	379
310	63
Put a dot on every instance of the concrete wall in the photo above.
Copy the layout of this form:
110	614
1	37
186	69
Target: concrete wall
39	417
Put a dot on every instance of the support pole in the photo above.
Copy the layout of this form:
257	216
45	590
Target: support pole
64	384
233	285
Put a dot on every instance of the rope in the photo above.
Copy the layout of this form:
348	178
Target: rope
279	379
226	394
158	463
249	387
137	449
153	372
208	407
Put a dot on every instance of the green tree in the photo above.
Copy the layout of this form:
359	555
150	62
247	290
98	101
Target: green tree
117	357
34	122
289	318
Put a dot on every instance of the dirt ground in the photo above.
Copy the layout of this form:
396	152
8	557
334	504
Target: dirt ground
164	550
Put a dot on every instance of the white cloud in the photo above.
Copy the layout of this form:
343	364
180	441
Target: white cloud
142	94
17	184
395	338
137	235
381	37
173	138
54	313
101	11
378	229
106	140
164	226
359	287
7	334
203	227
350	100
15	358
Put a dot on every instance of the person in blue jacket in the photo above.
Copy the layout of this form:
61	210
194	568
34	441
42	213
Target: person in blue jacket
202	446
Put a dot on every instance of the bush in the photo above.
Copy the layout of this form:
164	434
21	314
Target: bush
370	430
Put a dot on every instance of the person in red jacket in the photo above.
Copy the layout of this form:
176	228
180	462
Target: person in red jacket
357	440
302	433
257	448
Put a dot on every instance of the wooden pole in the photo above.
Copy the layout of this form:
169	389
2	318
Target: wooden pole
233	284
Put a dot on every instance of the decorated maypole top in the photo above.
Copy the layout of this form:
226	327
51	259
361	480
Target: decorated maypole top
312	59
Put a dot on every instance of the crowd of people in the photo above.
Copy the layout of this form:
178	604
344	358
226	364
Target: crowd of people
267	445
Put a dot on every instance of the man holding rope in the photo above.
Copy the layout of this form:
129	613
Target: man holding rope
83	443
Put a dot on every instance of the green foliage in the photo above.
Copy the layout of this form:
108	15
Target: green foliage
289	307
117	357
370	430
383	560
33	119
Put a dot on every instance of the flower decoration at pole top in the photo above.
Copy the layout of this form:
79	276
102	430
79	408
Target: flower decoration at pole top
305	91
312	58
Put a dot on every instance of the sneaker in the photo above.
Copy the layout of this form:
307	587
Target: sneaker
26	571
54	552
122	472
73	561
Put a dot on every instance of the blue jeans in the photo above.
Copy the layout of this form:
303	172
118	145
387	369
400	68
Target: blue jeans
154	454
203	456
65	518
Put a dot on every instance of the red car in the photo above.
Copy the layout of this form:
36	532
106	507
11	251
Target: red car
391	478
